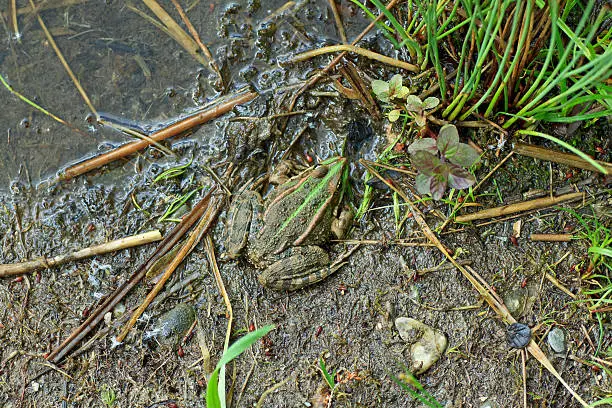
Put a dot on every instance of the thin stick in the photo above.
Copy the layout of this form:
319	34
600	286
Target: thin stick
551	237
172	130
493	171
204	225
339	26
315	78
357	50
97	315
13	21
43	263
197	39
64	63
538	203
555	156
523	358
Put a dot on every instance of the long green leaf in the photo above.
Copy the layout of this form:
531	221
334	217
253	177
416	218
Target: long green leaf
243	343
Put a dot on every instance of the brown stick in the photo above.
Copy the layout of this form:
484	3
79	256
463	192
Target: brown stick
357	50
42	263
518	207
203	226
339	26
554	156
551	237
97	315
172	130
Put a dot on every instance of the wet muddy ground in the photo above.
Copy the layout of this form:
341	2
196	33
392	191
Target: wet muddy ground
132	71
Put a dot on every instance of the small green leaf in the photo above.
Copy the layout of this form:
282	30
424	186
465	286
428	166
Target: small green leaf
459	178
448	139
413	103
420	119
383	96
243	343
329	378
430	103
395	85
379	86
465	156
425	162
394	115
428	144
403	92
422	182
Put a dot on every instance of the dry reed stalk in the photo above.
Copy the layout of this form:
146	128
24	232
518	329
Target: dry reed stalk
338	20
40	108
172	130
536	204
551	237
554	156
357	50
112	246
122	290
63	61
175	31
204	225
196	37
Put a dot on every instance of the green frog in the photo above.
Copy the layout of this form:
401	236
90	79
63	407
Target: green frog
283	235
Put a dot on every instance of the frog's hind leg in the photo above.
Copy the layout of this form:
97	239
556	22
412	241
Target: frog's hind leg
302	266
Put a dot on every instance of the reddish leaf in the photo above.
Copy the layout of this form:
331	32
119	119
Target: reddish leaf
448	140
459	178
425	162
422	183
465	156
427	144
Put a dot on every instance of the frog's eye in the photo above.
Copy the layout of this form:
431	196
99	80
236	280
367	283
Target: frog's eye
320	172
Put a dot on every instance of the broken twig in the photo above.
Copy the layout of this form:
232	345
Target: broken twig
43	262
97	315
172	130
538	203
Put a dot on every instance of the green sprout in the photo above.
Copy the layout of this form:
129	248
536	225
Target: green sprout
442	162
108	396
388	91
215	392
417	108
329	378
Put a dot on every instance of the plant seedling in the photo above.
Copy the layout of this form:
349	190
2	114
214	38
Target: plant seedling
108	396
388	91
215	392
329	378
417	108
442	162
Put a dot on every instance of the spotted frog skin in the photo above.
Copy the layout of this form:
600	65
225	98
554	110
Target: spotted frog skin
284	239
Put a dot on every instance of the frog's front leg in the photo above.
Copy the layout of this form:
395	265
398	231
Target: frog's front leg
243	218
300	266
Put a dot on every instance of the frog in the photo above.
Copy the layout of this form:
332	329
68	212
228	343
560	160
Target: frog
283	235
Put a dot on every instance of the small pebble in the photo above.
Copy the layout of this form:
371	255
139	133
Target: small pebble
428	344
556	340
518	335
173	325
